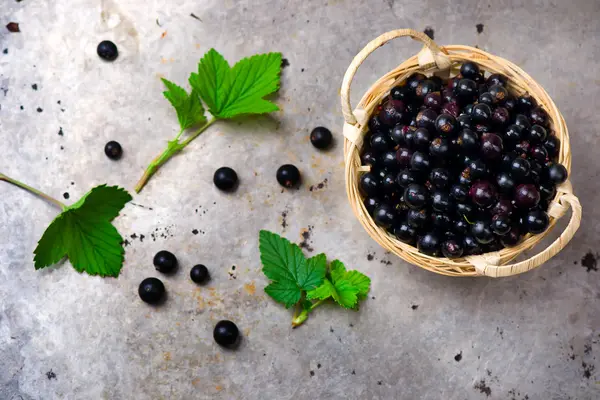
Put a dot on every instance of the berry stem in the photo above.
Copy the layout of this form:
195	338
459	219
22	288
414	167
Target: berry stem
33	190
300	318
173	147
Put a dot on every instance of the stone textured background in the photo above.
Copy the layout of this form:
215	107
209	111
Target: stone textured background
420	336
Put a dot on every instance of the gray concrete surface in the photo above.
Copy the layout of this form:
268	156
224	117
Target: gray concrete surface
420	336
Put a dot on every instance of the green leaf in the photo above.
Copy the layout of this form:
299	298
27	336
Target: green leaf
360	281
188	107
240	90
84	234
342	291
284	264
338	270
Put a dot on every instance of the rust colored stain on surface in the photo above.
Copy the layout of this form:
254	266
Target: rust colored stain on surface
250	288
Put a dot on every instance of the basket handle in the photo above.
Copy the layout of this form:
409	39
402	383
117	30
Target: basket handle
431	55
487	264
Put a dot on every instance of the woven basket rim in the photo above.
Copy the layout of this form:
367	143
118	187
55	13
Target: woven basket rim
434	59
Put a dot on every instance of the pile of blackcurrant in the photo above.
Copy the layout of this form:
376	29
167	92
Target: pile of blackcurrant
460	167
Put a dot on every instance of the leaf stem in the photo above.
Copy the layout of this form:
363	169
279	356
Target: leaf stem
173	148
300	318
33	190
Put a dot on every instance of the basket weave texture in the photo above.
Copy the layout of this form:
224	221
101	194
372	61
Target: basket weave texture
442	61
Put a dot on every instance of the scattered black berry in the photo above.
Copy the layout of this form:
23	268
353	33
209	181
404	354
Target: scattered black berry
226	333
199	273
165	262
321	137
107	50
225	179
151	290
112	149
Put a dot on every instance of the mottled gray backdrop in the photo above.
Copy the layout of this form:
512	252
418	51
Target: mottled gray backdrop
64	335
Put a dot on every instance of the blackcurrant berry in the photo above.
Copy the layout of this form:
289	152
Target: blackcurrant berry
288	176
426	119
226	333
469	70
381	142
526	103
501	224
539	116
321	137
481	113
429	244
370	184
452	248
403	93
537	134
151	290
403	157
446	125
537	221
526	196
482	231
385	216
405	233
113	150
440	178
199	274
505	182
371	203
225	179
483	193
499	94
497	79
416	196
420	162
107	50
165	262
556	173
552	145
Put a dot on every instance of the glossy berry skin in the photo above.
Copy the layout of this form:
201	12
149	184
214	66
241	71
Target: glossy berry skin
413	81
113	150
469	70
424	88
497	79
537	134
511	238
381	142
405	233
465	121
440	178
538	153
199	274
483	194
451	108
388	183
441	202
422	139
499	94
502	207
439	148
151	290
478	169
525	104
403	157
368	158
501	224
522	148
552	145
547	190
459	193
416	196
523	122
321	137
466	89
418	219
445	125
512	136
452	248
420	162
539	116
225	179
371	203
165	262
375	125
288	176
403	93
482	232
465	210
384	216
486	98
500	117
505	183
426	119
433	101
468	141
461	226
370	184
398	134
465	177
556	173
441	222
526	196
392	112
491	146
406	177
226	333
510	103
429	244
481	113
519	169
537	221
471	246
107	50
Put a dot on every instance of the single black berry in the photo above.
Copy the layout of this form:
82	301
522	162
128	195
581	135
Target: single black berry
288	176
469	70
226	333
107	50
225	179
151	290
320	137
452	248
537	221
165	262
370	184
113	150
385	216
556	173
405	233
429	244
199	273
416	196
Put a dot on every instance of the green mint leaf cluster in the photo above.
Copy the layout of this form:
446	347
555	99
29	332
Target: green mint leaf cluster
296	280
227	92
83	232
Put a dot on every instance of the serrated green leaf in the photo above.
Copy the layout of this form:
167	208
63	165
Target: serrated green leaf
359	281
342	291
188	106
84	234
286	292
337	270
240	90
284	264
323	292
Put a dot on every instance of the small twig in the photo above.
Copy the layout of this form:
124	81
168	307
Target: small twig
195	16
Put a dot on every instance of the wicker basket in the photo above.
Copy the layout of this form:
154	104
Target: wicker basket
441	61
